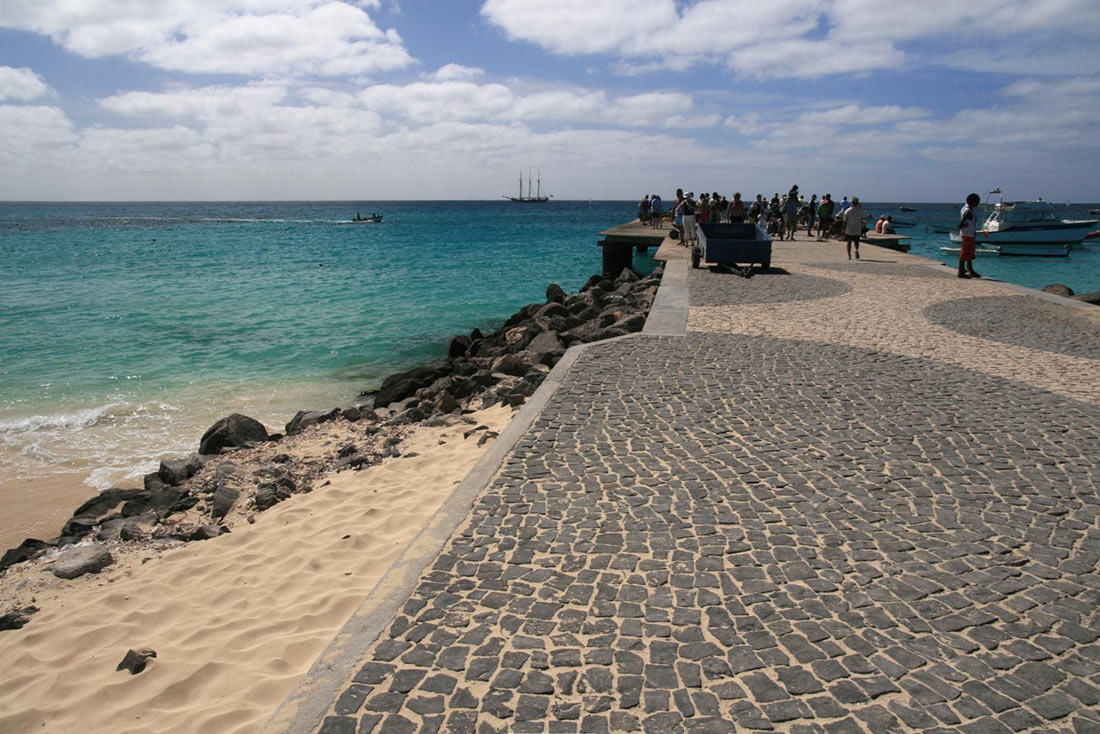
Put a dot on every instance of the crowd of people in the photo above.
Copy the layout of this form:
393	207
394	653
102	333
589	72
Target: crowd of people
780	216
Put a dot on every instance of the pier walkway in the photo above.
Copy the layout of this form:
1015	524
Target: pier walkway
839	497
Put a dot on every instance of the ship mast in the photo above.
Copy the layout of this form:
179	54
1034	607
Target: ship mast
538	191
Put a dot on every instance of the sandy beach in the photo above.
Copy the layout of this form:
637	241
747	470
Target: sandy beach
236	620
37	508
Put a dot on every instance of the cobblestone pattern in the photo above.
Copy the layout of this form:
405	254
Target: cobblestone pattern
721	287
906	270
720	533
886	313
1020	320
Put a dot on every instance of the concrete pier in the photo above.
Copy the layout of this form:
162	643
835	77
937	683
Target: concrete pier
840	496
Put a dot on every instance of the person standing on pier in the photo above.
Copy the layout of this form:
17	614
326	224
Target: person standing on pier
643	210
790	213
968	229
853	225
824	217
811	216
655	211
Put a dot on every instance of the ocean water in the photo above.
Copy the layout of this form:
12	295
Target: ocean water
127	328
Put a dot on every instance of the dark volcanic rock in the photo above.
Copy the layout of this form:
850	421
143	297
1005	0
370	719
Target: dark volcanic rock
206	532
224	499
177	471
511	364
547	341
555	294
405	384
457	345
1093	298
1058	289
81	560
16	618
136	659
230	432
25	551
303	419
105	501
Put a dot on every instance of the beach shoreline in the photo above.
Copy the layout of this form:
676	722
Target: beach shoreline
238	618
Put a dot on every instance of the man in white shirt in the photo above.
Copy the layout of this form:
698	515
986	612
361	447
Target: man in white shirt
968	229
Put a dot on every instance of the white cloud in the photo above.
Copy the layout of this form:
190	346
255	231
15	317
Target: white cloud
856	115
797	38
299	38
21	85
26	132
455	72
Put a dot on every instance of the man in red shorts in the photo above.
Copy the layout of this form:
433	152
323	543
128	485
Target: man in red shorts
968	228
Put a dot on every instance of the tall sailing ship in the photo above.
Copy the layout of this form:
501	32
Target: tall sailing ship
538	198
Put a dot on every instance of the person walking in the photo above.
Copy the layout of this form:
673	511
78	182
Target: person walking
824	217
853	225
968	230
811	216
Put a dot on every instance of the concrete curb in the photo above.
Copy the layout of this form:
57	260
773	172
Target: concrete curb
669	313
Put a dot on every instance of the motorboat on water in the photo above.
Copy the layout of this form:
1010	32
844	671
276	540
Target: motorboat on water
906	209
374	218
1029	228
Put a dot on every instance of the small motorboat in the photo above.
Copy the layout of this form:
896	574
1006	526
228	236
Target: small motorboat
1094	212
374	218
906	209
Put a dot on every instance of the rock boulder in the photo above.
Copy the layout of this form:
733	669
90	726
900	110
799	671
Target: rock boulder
232	432
81	560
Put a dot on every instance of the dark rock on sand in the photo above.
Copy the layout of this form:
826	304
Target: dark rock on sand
1093	298
351	414
511	364
222	502
81	560
303	419
404	384
206	532
15	618
1058	289
136	659
232	432
25	551
174	472
105	501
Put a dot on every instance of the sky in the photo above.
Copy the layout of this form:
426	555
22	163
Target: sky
607	99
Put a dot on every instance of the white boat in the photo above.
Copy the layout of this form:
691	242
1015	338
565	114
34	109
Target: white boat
1029	228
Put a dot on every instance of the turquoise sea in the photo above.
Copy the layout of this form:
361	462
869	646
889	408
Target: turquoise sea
127	328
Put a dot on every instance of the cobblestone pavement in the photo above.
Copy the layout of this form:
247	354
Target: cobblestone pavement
712	287
971	324
730	532
1019	320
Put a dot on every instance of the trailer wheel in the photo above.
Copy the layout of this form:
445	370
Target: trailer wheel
765	265
695	257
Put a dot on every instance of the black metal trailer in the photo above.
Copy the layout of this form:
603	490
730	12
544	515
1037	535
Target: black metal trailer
732	245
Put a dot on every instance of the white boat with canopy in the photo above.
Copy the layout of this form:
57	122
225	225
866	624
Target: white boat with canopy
1029	228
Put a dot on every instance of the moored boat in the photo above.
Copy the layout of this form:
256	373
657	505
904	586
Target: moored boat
374	218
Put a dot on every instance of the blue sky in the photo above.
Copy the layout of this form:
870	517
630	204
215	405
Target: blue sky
395	99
